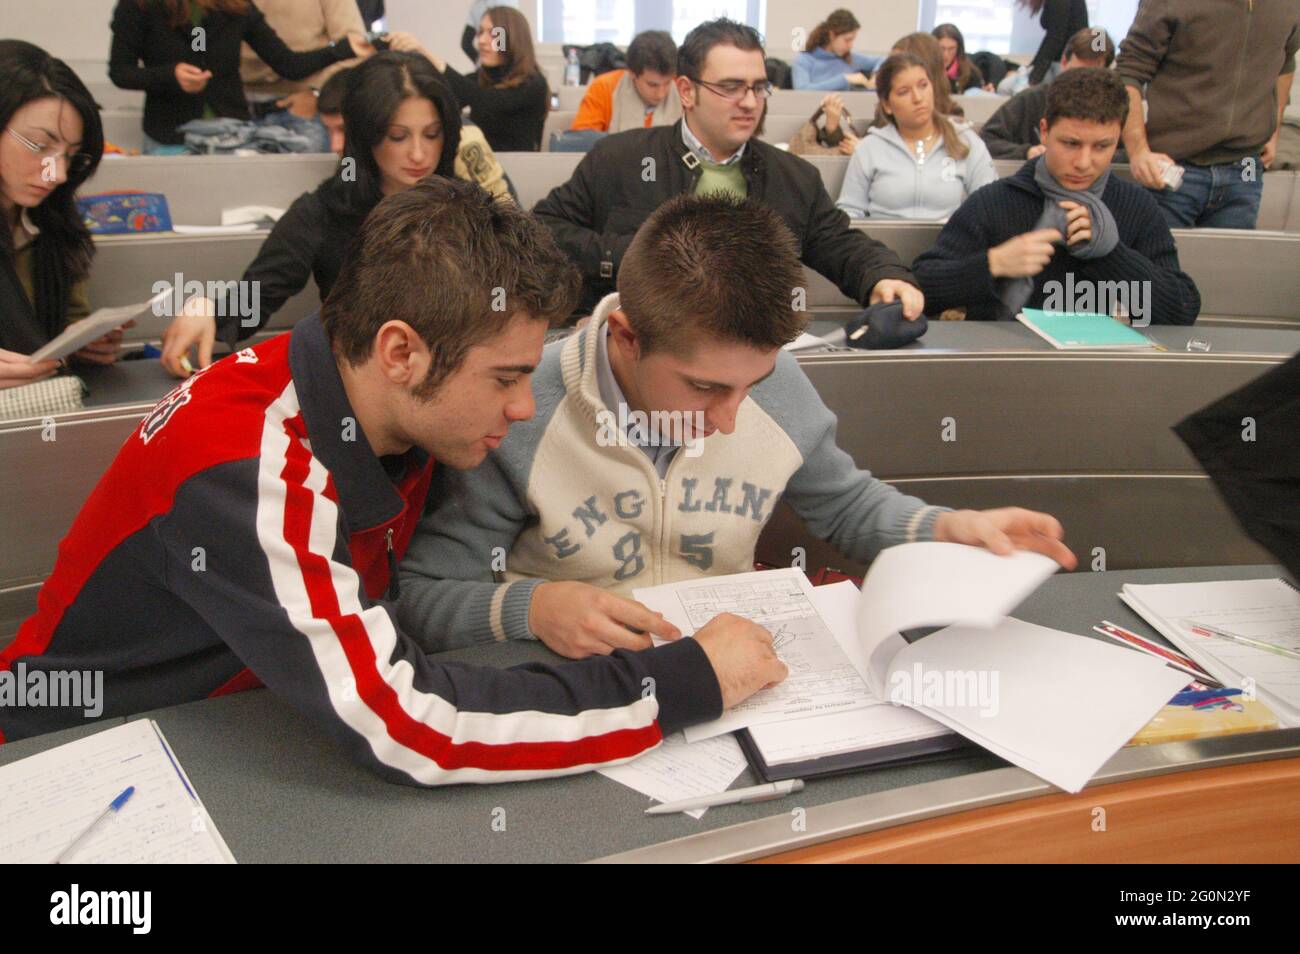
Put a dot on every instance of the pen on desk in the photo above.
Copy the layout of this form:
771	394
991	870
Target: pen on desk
744	796
114	807
1201	629
1172	659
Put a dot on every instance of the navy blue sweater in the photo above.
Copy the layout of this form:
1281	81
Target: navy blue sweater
955	272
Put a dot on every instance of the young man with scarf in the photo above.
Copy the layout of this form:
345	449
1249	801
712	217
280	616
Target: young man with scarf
1061	222
667	430
248	532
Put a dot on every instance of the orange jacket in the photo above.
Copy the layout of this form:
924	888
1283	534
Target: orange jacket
597	107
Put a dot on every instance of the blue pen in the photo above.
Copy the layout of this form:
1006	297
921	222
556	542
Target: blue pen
110	811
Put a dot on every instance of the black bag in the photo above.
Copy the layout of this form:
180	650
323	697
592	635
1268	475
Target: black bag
1259	479
596	59
883	326
991	66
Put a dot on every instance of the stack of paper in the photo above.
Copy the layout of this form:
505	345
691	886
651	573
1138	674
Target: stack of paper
1051	702
1264	610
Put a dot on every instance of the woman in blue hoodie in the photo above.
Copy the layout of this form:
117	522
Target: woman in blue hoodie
914	163
829	61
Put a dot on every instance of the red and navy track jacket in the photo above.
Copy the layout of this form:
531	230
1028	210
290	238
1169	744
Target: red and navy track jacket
242	534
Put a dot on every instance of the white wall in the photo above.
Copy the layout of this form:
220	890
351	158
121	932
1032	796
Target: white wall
883	22
77	30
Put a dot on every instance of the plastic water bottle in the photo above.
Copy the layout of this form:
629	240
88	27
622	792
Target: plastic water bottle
572	70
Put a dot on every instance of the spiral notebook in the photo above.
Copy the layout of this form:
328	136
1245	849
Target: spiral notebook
1267	610
48	799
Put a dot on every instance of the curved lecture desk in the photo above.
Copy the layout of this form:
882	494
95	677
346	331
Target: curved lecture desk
1084	435
279	790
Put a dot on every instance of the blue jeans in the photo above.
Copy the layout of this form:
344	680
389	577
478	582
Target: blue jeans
1215	197
312	129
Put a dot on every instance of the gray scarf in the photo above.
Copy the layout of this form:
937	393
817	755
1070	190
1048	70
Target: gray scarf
1014	292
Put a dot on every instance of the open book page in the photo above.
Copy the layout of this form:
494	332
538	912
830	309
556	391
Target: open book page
821	679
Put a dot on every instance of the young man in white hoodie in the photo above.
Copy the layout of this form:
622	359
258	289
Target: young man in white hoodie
914	163
666	430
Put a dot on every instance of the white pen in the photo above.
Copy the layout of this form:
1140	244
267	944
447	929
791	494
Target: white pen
1204	629
755	793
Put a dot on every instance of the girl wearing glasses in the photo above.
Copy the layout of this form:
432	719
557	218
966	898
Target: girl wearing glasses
50	143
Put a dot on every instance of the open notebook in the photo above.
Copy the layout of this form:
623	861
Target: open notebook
1267	610
1054	703
48	799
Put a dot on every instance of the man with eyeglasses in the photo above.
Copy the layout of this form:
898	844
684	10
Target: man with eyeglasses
722	81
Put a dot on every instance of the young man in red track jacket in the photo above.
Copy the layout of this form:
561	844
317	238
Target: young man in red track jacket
249	528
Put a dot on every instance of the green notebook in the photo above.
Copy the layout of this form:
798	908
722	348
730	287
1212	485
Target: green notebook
1073	330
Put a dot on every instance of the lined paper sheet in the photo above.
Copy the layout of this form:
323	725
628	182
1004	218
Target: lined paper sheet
679	769
1267	610
48	799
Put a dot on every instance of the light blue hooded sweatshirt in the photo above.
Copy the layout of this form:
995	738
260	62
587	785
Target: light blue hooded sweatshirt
822	69
884	179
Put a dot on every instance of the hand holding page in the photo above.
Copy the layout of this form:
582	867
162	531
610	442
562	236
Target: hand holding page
81	333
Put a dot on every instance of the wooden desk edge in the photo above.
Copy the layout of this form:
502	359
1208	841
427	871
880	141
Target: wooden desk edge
1227	798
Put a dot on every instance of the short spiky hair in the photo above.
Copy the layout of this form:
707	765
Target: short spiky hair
1089	93
695	48
713	266
452	263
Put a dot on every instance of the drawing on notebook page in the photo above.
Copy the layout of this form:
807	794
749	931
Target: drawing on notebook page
821	679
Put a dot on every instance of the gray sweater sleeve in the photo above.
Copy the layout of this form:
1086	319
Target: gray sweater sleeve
450	596
840	503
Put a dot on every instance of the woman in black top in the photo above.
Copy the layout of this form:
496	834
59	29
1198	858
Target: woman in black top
51	141
508	95
186	74
400	124
1061	19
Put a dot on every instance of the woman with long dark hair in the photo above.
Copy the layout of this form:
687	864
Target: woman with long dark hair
828	61
1061	19
962	73
400	124
51	142
184	54
508	95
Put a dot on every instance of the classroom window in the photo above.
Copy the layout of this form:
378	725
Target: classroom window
1004	26
617	21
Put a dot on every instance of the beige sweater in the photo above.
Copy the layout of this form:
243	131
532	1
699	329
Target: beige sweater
303	25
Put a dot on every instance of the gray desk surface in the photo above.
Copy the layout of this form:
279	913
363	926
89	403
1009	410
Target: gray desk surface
145	381
984	336
280	792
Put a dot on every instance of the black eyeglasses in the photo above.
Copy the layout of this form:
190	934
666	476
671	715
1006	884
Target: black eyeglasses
76	163
734	91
